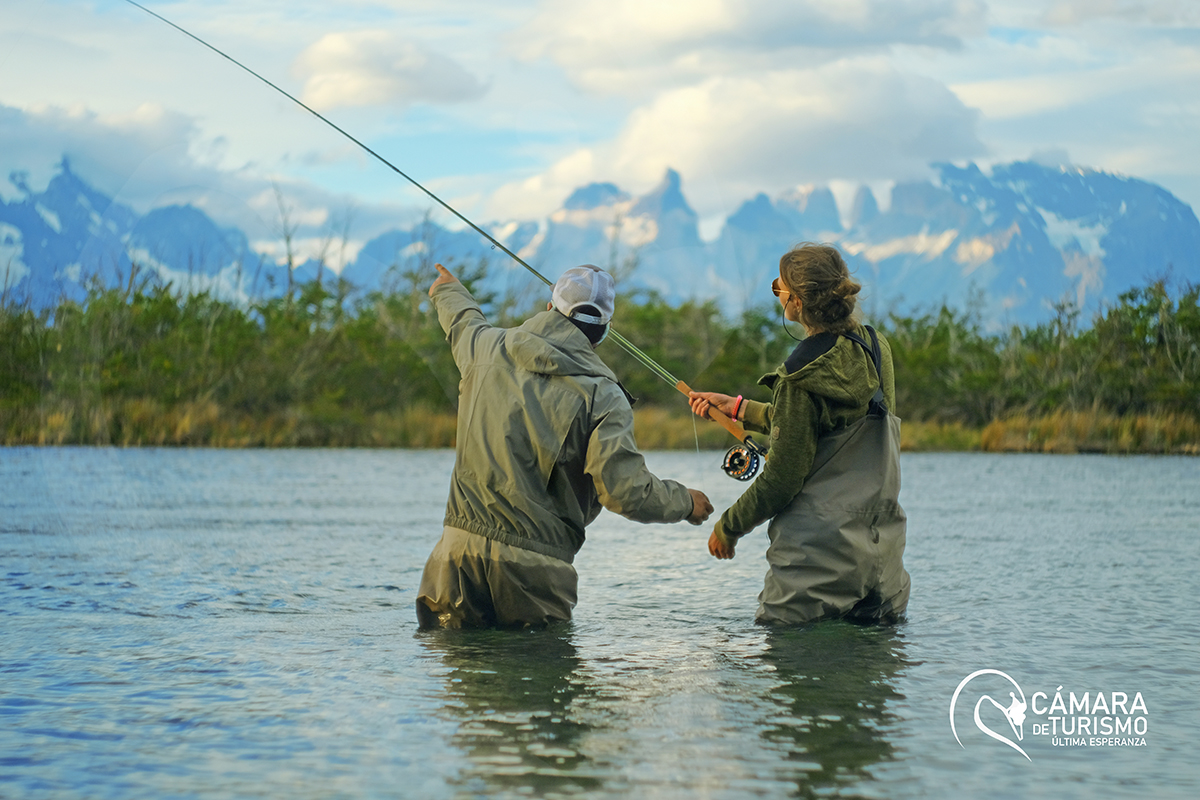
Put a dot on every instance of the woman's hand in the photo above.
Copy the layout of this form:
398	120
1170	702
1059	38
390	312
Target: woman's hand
702	401
719	549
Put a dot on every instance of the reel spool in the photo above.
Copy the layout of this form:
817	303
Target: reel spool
741	463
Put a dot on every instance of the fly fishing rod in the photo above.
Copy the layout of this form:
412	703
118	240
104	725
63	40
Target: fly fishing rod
741	464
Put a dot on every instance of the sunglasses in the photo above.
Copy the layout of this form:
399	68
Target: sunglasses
777	288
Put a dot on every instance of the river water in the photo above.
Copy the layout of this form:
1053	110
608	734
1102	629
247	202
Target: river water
207	623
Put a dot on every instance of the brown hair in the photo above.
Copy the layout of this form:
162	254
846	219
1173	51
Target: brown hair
817	274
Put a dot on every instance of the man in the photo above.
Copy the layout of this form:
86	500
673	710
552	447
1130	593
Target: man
545	438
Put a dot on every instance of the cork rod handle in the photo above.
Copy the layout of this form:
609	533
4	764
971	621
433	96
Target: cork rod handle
718	417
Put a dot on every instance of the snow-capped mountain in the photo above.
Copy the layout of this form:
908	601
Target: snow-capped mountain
1027	236
1021	238
55	243
1024	238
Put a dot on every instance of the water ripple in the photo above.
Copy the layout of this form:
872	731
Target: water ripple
209	624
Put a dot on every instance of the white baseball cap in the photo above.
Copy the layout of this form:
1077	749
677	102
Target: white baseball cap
585	285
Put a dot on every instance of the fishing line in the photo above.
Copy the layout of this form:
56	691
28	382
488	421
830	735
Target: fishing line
639	356
343	132
621	341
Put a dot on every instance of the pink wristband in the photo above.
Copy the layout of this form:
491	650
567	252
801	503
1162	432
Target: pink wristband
737	405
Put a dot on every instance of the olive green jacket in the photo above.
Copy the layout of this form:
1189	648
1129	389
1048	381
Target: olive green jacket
815	392
545	434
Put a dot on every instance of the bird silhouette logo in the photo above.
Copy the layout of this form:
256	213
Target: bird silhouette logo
1014	712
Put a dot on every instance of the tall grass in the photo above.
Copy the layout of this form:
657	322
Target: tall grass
1093	432
330	367
147	422
144	422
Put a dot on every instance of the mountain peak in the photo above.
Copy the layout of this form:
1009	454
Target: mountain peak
664	198
864	209
811	209
759	216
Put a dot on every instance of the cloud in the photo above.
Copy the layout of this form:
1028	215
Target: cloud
152	157
852	120
739	96
1120	94
1030	95
1167	13
855	120
630	46
540	194
110	148
366	68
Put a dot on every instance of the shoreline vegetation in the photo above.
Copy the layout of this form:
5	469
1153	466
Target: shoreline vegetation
323	365
141	423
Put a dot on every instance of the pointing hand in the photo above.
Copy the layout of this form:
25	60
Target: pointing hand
444	276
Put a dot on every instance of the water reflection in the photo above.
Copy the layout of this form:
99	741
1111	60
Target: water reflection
837	681
511	694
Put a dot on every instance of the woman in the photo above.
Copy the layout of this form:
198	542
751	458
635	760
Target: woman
831	482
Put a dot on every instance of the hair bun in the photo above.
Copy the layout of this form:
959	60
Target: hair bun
847	289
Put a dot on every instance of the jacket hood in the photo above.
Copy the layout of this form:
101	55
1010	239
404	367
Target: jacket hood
548	344
844	375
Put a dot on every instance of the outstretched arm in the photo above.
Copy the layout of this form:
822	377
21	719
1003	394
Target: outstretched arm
461	318
793	449
623	482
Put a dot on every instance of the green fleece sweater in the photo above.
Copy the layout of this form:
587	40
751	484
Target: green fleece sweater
825	385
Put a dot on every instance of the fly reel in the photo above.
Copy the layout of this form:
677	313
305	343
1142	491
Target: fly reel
741	462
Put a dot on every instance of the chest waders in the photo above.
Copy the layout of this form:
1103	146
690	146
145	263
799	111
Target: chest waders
837	549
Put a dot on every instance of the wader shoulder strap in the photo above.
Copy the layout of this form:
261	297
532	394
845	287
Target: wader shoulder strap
877	407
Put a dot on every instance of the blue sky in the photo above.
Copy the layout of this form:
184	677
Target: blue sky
505	107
